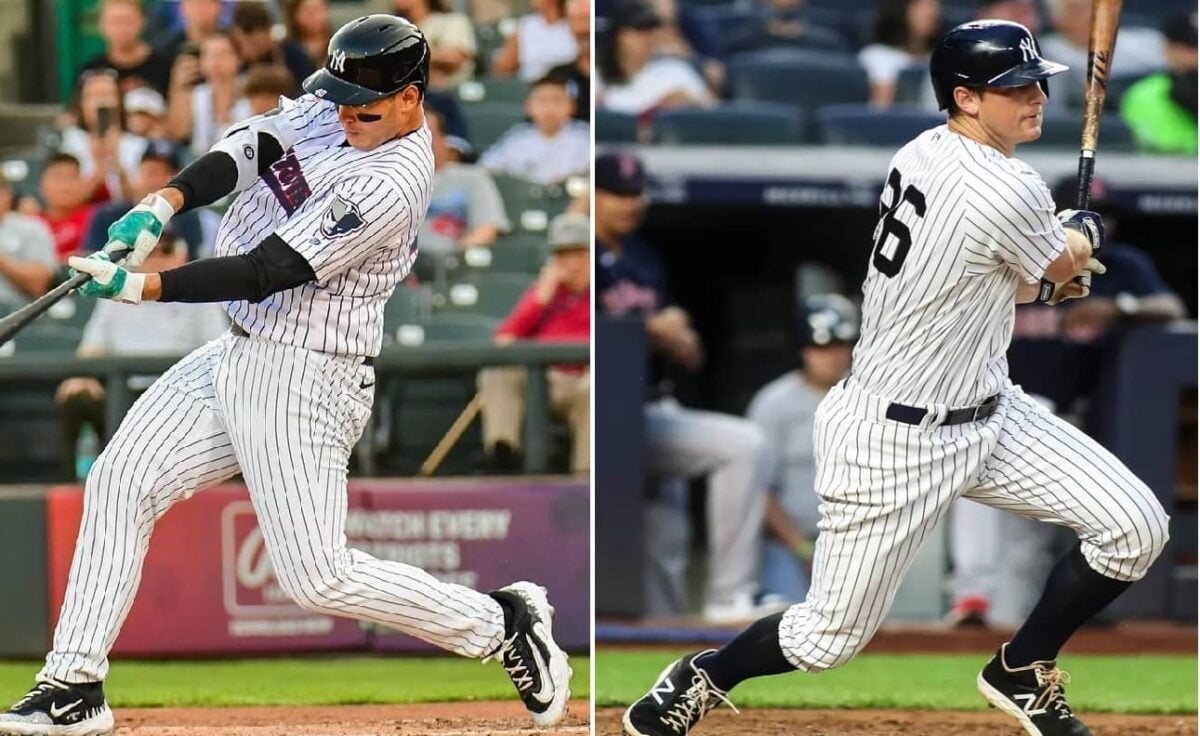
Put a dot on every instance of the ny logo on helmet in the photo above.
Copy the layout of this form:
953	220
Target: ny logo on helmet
337	62
1028	52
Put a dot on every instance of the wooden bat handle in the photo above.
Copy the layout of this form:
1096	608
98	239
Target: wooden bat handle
1106	16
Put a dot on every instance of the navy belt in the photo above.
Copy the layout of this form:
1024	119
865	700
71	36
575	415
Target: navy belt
916	415
237	330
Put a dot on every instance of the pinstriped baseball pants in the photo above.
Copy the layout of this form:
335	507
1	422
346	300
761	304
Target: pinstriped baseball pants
885	485
287	418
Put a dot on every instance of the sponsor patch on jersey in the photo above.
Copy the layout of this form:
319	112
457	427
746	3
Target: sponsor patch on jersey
341	218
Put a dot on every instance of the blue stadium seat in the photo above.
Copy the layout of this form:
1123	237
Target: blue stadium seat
487	121
864	125
737	123
806	79
753	36
511	90
614	127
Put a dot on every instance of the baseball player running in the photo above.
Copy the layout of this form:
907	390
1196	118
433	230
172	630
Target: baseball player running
928	414
332	188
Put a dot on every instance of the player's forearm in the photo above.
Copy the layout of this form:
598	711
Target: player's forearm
1070	263
1027	293
268	269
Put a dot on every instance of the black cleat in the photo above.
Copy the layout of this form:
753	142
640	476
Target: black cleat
534	662
1033	694
53	708
682	696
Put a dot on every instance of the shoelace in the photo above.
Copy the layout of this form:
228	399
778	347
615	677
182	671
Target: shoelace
518	671
691	706
43	686
1053	695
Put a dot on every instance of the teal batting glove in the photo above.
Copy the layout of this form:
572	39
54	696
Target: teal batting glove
109	281
140	228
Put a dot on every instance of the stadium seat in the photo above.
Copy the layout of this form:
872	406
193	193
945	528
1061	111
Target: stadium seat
72	311
1064	129
489	293
800	77
737	123
510	90
517	254
753	36
614	127
863	125
487	121
531	206
443	328
409	305
912	84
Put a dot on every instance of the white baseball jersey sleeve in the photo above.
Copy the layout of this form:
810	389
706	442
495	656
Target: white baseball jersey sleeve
961	227
352	214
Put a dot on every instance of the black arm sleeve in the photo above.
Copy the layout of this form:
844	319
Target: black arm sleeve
215	174
271	267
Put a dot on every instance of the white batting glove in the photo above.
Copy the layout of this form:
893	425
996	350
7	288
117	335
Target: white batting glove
109	281
139	229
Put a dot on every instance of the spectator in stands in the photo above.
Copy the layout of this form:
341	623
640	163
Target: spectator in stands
1139	51
550	148
685	36
308	24
578	73
264	85
680	442
251	33
159	328
121	23
827	327
629	79
556	308
27	259
201	18
145	117
159	164
1024	12
451	40
776	23
200	113
1161	109
542	41
98	139
465	209
905	31
65	204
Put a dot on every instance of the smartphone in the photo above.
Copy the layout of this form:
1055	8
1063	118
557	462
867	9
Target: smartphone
104	118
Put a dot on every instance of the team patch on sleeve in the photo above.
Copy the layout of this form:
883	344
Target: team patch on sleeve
341	218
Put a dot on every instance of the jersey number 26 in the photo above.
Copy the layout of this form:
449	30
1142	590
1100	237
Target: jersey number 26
889	265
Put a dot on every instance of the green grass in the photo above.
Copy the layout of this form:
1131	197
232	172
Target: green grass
1117	684
296	681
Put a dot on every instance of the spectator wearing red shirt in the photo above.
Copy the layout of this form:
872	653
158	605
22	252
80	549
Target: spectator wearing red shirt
66	209
557	308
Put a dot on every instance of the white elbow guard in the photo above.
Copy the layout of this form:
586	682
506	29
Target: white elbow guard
242	141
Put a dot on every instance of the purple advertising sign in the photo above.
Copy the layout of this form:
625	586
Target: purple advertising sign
484	534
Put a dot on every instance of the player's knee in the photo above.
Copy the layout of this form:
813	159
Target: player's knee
1138	541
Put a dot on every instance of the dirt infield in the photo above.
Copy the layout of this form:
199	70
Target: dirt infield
761	722
434	719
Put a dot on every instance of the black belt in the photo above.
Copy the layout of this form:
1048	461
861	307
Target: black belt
915	415
238	331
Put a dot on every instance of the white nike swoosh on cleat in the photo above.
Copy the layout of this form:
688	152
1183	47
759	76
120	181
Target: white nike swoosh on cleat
58	712
545	694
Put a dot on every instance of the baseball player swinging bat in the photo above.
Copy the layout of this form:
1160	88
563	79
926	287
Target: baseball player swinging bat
18	320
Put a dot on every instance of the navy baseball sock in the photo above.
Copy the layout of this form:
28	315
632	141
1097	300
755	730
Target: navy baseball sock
753	653
1074	593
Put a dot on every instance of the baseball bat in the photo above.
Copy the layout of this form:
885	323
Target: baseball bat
1106	15
17	321
452	436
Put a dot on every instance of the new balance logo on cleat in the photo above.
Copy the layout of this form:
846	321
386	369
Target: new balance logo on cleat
681	697
1034	695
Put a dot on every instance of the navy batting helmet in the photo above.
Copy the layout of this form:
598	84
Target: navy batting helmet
371	58
988	53
826	319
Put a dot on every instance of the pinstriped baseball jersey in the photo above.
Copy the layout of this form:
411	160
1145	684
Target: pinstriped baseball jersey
352	214
957	219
